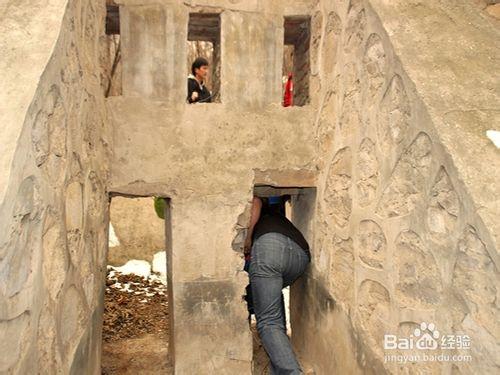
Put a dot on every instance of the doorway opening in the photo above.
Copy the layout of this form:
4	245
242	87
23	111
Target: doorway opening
136	334
299	209
204	41
297	31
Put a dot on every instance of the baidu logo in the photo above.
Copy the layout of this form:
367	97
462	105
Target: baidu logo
426	337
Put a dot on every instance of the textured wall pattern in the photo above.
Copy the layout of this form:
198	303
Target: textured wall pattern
54	221
403	220
397	241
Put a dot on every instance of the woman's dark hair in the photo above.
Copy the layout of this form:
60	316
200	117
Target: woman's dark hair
198	63
278	208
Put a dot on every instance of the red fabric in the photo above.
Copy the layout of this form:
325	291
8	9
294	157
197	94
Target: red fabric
288	97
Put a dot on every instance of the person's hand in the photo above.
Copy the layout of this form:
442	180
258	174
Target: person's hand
194	95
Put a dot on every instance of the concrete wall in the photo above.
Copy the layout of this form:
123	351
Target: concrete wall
53	235
150	38
402	223
212	155
394	230
404	228
30	46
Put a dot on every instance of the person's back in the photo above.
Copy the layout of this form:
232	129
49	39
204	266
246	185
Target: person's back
273	220
276	261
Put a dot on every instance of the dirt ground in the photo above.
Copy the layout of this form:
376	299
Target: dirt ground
146	354
135	329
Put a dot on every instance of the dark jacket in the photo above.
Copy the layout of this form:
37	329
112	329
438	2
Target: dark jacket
271	220
204	95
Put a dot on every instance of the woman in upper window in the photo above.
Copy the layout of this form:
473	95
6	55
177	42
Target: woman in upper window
197	91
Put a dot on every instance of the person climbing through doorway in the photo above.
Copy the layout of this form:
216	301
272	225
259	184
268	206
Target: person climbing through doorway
197	91
279	255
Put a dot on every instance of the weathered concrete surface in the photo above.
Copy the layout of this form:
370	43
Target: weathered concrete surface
150	39
53	232
494	10
407	194
402	221
258	81
154	50
27	44
203	149
459	92
212	154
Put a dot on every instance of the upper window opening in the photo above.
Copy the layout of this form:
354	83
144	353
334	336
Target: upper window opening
112	20
296	65
111	58
203	58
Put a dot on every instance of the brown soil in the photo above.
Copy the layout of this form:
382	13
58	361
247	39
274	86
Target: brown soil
135	327
144	355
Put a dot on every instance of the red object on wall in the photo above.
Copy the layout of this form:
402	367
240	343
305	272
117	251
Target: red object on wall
288	97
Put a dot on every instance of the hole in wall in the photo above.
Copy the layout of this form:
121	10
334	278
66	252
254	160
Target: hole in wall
297	32
204	41
136	336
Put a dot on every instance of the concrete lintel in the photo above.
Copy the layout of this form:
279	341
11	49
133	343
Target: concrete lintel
139	189
146	2
285	178
268	191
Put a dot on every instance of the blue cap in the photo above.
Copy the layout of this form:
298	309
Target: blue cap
275	200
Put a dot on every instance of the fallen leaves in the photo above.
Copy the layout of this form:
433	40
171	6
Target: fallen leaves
133	306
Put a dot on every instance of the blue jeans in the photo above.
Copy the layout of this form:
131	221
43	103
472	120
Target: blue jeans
277	261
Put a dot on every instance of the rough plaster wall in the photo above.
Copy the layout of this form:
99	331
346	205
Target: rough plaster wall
149	37
212	153
20	28
53	233
460	94
259	82
394	192
399	238
389	193
491	7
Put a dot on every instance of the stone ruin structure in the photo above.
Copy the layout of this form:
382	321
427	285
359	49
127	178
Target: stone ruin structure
394	181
